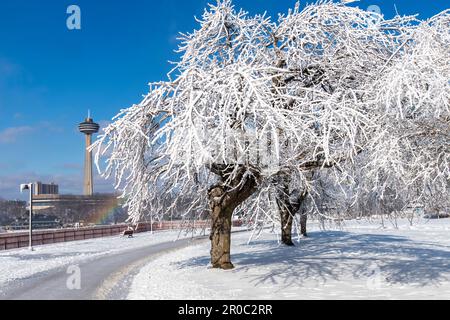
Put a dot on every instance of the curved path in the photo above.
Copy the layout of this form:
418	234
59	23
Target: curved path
105	277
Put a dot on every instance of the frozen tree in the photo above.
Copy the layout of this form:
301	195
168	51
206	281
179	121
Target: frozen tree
410	152
330	54
406	164
202	131
393	73
251	111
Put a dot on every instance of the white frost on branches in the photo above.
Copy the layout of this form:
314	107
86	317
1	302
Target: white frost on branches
412	146
321	88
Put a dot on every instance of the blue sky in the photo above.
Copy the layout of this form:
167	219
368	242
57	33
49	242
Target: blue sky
50	76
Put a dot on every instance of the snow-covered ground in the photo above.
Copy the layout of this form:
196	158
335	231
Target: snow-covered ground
22	263
358	261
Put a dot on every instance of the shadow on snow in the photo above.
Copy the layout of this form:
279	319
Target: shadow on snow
332	254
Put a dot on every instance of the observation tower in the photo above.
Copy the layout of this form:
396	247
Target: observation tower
88	128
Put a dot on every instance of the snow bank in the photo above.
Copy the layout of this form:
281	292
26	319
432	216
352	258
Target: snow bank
359	261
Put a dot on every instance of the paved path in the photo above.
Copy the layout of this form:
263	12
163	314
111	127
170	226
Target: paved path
106	277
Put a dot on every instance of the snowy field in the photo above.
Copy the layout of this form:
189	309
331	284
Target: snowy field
358	261
21	263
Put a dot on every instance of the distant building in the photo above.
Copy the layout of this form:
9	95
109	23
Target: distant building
40	188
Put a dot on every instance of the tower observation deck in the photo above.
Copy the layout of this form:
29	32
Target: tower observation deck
88	128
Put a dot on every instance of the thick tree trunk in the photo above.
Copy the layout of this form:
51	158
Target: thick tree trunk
223	199
220	231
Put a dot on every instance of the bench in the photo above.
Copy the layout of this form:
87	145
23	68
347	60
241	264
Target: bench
129	233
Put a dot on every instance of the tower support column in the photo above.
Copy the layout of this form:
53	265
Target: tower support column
88	185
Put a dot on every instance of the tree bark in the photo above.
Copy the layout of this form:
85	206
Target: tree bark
220	230
223	199
288	208
286	227
303	221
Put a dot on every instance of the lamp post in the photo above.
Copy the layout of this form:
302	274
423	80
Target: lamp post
29	187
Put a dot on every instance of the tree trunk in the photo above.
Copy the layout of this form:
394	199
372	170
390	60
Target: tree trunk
223	199
286	227
288	209
303	221
285	209
220	231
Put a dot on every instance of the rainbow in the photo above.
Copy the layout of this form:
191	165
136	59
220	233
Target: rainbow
105	214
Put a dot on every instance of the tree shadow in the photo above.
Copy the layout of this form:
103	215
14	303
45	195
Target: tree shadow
333	255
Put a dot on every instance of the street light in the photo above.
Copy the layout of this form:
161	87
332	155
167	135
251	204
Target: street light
29	187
